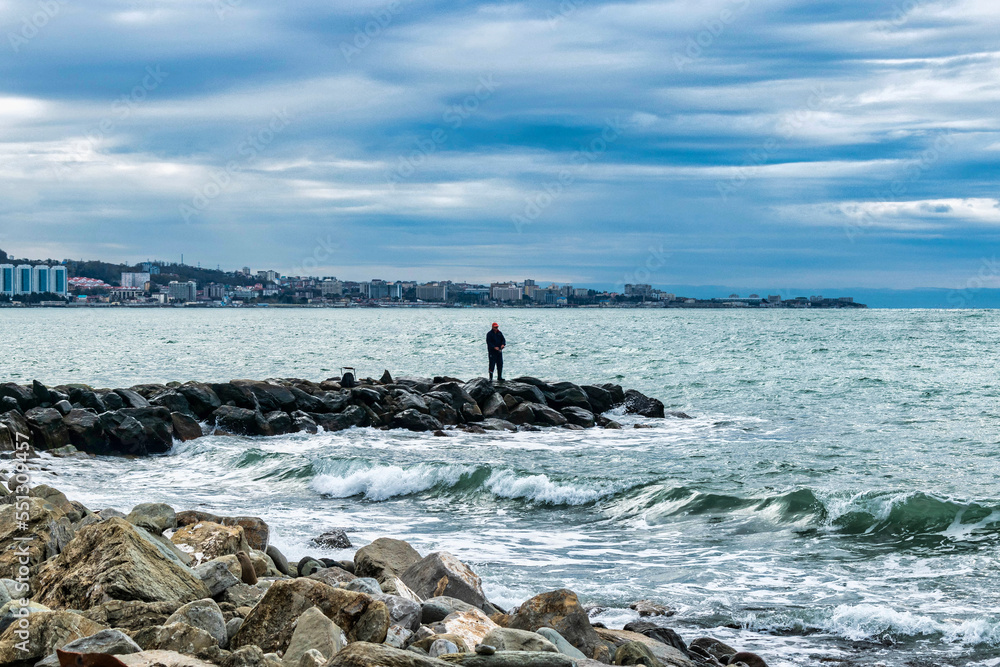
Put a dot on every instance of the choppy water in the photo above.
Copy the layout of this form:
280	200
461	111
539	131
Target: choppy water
835	496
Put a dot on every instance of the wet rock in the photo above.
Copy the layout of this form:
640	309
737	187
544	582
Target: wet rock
217	576
665	654
494	424
508	639
650	608
88	400
47	631
85	431
712	647
441	573
560	643
569	395
561	611
177	637
271	622
442	647
637	403
240	421
174	401
156	426
202	400
47	428
204	615
415	421
109	642
313	631
495	407
25	398
522	390
124	435
546	416
442	410
269	396
383	558
132	399
112	560
600	399
659	633
578	416
280	423
481	390
130	616
748	659
63	407
185	427
635	653
303	423
48	527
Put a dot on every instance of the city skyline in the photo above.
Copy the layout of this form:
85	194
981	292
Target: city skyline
732	143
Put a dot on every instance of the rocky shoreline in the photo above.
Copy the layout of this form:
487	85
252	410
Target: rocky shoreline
191	589
147	419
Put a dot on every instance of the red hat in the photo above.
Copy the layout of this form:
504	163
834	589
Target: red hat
495	324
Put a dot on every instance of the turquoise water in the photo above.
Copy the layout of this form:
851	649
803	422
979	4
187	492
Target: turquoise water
835	496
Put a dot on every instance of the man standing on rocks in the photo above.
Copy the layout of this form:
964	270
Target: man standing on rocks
495	343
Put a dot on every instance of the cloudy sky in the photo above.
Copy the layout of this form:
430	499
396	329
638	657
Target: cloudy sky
753	142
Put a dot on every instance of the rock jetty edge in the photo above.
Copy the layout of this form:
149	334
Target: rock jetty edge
148	418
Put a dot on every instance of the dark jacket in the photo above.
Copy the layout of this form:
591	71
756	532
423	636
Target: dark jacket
494	339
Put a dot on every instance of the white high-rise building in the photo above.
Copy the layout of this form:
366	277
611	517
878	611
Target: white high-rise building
40	278
59	280
7	279
22	279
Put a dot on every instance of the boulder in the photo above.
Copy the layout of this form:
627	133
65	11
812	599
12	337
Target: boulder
637	403
414	420
409	401
579	416
207	540
546	416
712	647
306	402
108	642
516	659
667	655
185	427
217	575
202	400
111	400
230	394
495	407
111	560
335	538
480	389
131	616
204	615
442	410
48	528
174	401
508	639
561	611
635	653
303	423
47	428
659	633
240	421
156	426
313	631
616	392
569	395
383	558
561	644
88	400
132	399
280	423
600	399
271	622
179	637
524	391
748	659
63	407
124	434
364	654
85	431
154	517
44	631
441	573
158	658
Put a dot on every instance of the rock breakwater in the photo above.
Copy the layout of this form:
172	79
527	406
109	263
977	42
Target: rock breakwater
148	418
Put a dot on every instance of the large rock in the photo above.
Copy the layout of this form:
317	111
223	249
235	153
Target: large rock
132	399
241	421
600	399
364	654
207	540
480	389
179	637
495	407
255	529
204	615
185	427
522	390
158	658
47	526
561	644
313	631
568	395
561	611
47	428
472	626
174	401
154	517
667	655
85	431
441	573
509	639
200	397
109	642
111	560
132	616
271	623
125	434
45	631
579	416
269	396
637	403
414	420
25	397
385	557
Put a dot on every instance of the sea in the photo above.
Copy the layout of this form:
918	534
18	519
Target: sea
834	499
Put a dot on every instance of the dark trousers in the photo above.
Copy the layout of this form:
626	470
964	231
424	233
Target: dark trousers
496	361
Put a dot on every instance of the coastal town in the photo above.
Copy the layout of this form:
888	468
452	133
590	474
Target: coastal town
160	284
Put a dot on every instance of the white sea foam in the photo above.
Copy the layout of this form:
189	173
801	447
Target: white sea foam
541	489
384	482
867	621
